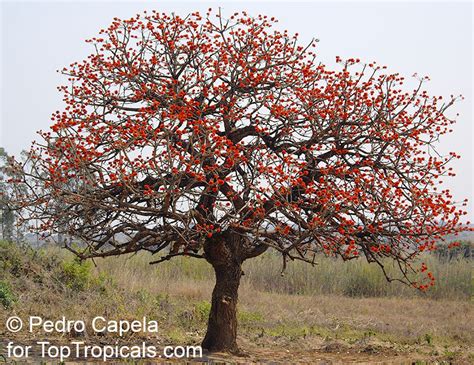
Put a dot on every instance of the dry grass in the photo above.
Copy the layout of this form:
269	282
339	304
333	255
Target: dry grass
403	313
328	277
399	319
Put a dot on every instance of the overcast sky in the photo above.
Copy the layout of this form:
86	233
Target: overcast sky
430	38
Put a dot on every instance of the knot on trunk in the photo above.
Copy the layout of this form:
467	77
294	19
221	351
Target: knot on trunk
226	300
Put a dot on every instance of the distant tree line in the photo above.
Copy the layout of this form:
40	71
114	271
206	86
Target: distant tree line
465	249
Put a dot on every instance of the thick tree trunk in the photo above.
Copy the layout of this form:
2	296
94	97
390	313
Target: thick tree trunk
222	326
223	252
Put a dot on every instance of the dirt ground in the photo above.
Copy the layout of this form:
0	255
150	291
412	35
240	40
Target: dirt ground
312	350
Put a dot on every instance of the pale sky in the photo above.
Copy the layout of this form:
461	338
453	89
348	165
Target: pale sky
430	38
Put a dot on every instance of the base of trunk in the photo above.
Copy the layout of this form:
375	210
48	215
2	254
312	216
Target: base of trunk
214	344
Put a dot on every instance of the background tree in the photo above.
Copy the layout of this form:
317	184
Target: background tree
7	215
218	138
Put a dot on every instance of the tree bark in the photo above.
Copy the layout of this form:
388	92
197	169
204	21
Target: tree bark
223	252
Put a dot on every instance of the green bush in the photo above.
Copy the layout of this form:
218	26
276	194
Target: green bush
77	275
7	298
202	310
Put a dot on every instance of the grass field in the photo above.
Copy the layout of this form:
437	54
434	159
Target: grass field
332	311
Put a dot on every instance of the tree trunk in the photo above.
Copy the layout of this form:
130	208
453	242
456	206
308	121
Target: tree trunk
223	252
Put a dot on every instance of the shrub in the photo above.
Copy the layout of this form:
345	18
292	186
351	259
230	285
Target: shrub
202	310
7	298
77	275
